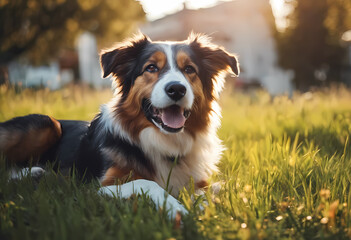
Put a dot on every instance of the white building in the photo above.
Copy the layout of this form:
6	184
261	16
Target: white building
50	76
89	63
244	27
57	73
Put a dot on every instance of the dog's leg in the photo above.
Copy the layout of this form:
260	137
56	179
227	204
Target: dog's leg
158	195
203	186
115	173
25	138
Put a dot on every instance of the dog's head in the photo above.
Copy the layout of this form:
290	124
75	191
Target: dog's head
167	85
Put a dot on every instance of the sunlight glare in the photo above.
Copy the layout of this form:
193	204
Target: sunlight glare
156	9
346	36
280	11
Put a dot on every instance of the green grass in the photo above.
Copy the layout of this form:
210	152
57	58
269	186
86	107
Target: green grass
286	174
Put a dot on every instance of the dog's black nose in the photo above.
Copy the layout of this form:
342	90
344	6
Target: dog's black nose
175	90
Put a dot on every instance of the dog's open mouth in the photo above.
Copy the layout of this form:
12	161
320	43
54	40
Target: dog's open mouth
172	118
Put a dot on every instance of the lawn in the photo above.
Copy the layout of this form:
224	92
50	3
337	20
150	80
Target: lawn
286	174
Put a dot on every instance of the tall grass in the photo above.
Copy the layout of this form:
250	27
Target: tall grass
74	102
286	174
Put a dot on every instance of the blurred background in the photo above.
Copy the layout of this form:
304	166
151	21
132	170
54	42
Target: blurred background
283	45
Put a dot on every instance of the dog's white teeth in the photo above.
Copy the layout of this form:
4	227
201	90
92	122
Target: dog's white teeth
157	111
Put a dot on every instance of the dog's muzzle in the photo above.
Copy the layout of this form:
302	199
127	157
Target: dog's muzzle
171	119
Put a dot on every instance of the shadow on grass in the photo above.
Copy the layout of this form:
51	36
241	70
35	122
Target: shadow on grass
327	140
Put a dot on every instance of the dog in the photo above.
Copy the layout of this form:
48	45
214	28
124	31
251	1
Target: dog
158	131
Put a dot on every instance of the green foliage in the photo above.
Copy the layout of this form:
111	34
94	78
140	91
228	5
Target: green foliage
312	40
285	175
40	27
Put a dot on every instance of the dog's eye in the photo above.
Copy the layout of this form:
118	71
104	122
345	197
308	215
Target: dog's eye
152	68
189	69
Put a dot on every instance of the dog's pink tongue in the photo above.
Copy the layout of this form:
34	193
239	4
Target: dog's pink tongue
173	117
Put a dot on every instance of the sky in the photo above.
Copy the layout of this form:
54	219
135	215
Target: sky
158	8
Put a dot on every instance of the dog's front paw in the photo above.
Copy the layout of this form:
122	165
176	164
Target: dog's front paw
34	172
157	194
216	187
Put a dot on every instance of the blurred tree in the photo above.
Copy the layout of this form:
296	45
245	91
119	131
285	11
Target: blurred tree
311	44
38	28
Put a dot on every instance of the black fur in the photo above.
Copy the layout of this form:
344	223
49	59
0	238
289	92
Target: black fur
81	146
124	63
23	124
91	161
65	152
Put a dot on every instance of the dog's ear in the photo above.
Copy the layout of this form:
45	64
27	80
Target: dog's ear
213	60
121	60
115	59
213	57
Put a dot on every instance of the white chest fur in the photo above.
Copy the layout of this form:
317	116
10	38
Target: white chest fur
196	157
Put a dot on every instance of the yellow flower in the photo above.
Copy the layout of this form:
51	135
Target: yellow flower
324	220
325	193
247	188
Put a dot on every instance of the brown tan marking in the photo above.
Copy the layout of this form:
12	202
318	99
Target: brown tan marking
115	173
202	184
57	126
23	146
184	60
158	58
199	118
129	112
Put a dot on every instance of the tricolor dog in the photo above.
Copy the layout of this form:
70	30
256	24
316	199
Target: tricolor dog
161	122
